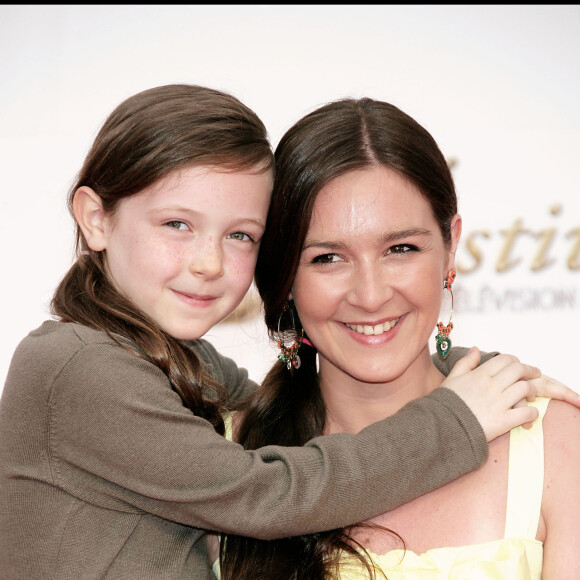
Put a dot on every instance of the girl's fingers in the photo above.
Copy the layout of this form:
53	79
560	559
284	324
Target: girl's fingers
517	394
497	363
516	371
466	363
524	415
548	387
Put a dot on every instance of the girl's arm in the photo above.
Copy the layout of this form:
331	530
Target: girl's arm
122	439
225	370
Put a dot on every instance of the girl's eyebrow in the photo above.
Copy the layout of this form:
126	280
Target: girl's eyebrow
387	238
185	210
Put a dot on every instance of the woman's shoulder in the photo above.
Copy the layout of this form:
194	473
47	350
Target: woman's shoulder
561	424
561	498
561	428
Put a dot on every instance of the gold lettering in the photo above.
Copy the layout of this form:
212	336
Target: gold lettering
540	261
574	257
504	262
474	252
546	236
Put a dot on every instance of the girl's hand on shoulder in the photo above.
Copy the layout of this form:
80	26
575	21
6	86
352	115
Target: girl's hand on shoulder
495	391
498	391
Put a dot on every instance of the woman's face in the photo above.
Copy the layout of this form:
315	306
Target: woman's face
369	285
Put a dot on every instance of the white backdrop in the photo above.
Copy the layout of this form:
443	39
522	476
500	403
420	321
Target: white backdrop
497	86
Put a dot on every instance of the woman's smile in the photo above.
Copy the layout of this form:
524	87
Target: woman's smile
372	329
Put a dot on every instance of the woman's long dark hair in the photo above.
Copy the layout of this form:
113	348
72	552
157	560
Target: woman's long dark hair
288	409
145	138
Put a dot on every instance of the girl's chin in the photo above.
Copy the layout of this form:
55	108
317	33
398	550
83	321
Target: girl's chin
180	332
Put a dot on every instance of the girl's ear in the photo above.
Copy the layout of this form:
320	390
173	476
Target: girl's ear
90	215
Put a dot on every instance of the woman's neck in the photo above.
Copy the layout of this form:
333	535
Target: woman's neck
352	405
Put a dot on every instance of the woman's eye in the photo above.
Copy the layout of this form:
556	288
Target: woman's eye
401	249
177	225
326	259
240	236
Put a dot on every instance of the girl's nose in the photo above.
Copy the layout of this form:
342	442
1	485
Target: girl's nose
207	260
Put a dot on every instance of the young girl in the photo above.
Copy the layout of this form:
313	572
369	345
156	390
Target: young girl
112	459
364	212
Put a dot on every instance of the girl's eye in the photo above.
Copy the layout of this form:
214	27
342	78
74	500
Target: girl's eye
402	249
326	259
177	225
240	236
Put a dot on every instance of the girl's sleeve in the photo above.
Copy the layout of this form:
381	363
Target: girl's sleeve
126	442
225	370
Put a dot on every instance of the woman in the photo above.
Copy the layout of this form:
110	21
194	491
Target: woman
360	245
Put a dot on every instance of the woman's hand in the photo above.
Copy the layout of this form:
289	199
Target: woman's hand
498	390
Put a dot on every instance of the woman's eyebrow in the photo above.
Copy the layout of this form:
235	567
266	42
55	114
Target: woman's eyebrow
386	238
323	244
401	234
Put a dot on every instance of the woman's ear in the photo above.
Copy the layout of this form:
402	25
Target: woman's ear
90	215
456	225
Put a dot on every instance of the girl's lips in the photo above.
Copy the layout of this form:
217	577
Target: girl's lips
373	330
196	299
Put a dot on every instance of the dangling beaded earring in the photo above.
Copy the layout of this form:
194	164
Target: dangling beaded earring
289	354
442	340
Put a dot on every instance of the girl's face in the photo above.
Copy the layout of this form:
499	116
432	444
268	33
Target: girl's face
184	249
369	285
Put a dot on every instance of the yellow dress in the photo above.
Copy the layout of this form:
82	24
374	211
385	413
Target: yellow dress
517	556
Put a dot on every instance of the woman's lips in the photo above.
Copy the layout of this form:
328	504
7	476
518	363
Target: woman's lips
373	330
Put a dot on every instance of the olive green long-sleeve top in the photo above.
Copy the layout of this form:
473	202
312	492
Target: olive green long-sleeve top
105	474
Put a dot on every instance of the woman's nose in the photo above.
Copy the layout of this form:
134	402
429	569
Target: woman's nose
370	288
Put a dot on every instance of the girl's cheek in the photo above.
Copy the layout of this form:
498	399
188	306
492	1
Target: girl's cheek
245	267
170	254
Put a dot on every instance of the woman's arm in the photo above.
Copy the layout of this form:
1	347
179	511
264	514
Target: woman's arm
561	499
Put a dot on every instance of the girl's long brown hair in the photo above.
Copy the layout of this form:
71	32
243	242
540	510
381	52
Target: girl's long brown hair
148	136
288	409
